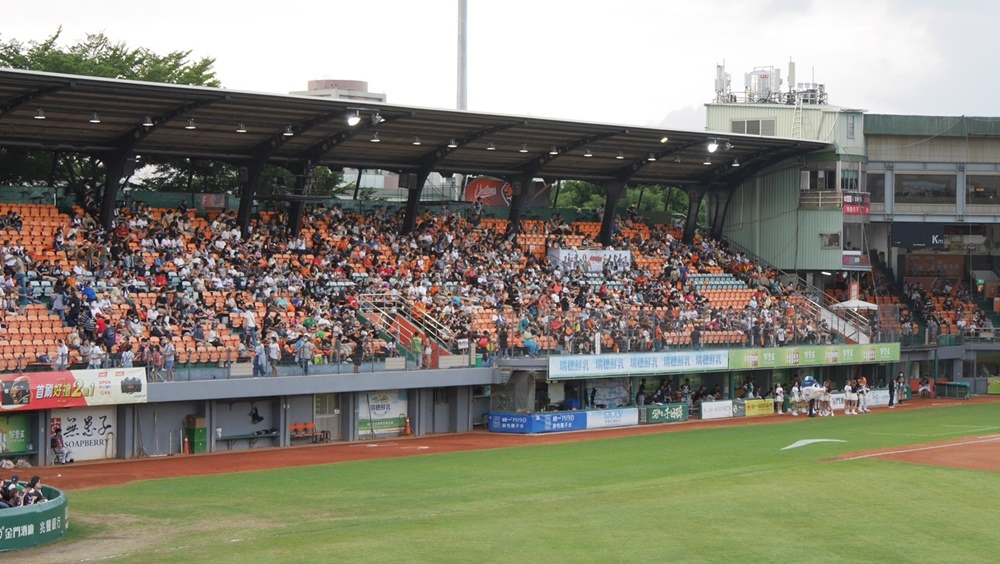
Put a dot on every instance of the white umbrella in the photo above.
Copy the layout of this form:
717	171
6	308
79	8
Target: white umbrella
855	305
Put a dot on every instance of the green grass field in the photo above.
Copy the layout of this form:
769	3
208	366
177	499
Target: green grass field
700	495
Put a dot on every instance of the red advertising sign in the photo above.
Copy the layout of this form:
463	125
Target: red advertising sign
857	203
493	192
72	388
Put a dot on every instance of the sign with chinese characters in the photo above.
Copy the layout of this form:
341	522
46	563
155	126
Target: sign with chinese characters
382	413
669	413
590	260
622	417
788	357
88	431
758	407
72	388
15	435
509	423
36	524
667	362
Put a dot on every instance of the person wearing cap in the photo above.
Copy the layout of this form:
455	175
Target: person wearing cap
59	446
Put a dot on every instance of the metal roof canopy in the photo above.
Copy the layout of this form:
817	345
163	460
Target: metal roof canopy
321	133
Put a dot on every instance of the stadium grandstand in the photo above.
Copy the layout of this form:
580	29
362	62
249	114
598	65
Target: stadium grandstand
248	322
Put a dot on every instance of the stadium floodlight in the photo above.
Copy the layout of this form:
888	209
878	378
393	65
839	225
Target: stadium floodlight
707	162
553	150
377	118
736	162
190	124
354	118
39	114
664	139
94	118
491	147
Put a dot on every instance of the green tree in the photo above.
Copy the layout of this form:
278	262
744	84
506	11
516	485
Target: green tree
99	56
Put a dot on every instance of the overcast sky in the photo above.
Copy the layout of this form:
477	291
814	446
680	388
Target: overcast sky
643	62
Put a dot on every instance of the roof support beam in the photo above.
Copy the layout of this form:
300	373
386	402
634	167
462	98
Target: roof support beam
613	190
695	195
413	201
15	103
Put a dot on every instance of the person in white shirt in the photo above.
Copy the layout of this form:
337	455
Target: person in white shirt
62	356
274	355
779	399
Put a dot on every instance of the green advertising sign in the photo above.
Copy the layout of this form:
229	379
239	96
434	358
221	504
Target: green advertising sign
36	524
670	413
814	355
14	434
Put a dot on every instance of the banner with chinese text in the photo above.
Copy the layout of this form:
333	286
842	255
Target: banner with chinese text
72	388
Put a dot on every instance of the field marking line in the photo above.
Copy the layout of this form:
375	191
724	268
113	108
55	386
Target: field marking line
806	442
933	447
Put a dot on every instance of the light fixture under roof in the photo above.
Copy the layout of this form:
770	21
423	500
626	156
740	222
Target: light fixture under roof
825	273
553	150
375	138
491	147
241	128
677	159
377	118
707	162
651	157
39	114
452	144
712	146
147	121
94	118
664	139
736	162
354	118
288	131
620	155
416	140
190	124
588	154
523	149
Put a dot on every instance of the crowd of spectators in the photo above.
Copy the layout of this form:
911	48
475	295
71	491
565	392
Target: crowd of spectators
163	281
15	493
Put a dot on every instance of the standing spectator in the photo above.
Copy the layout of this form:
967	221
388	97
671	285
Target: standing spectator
274	355
156	363
169	353
260	360
127	356
640	396
250	325
62	356
417	348
305	353
892	390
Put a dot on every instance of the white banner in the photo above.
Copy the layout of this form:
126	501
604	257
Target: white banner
666	362
590	260
88	431
717	409
623	417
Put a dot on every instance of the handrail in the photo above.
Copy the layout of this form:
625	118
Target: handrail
817	297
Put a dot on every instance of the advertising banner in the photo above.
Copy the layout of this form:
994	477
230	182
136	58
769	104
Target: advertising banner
72	388
603	419
590	260
493	192
559	421
717	409
509	423
36	524
382	413
739	408
758	407
818	355
670	413
601	365
88	431
15	435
